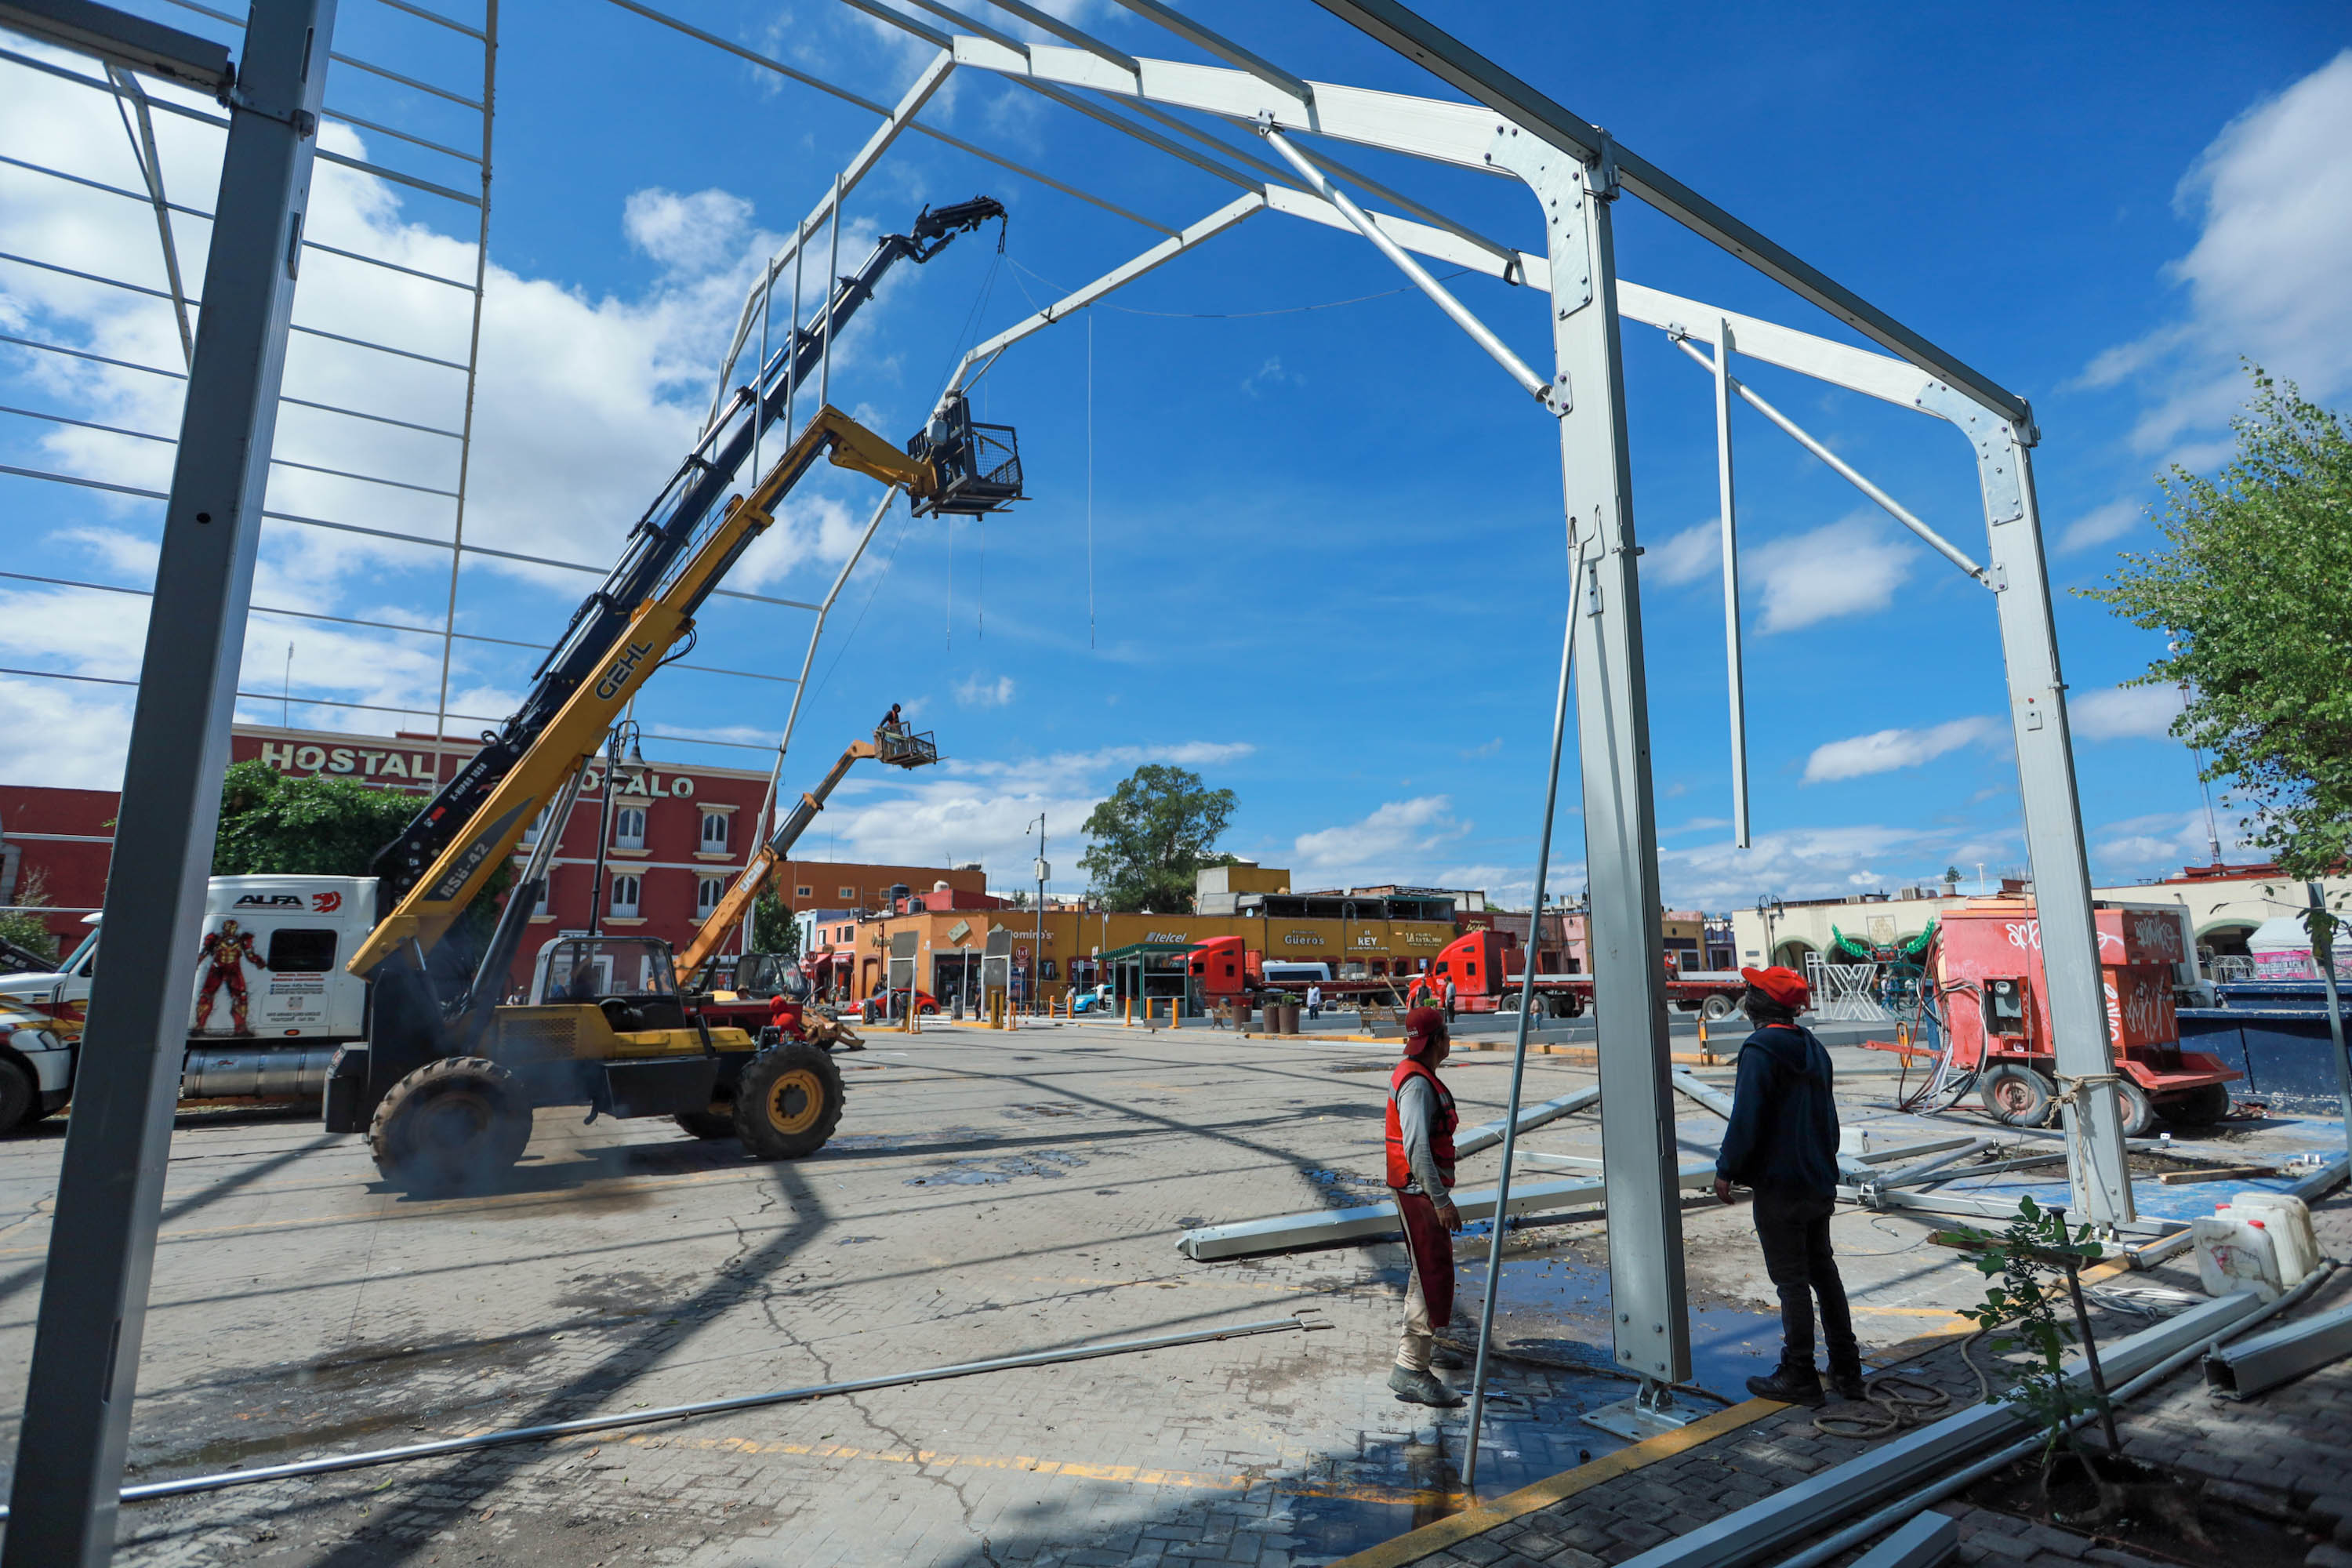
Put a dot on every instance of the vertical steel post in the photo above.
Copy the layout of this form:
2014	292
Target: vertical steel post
64	1499
2323	948
2015	567
1736	676
831	289
1652	1329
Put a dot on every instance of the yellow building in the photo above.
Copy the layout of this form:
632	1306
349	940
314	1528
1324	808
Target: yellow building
1357	937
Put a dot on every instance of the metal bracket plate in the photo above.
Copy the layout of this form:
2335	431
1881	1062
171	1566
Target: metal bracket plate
1650	1413
1999	462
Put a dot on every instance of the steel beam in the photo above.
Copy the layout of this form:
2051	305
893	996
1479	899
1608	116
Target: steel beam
1288	1233
2254	1365
2067	935
1929	1539
1799	1514
1466	70
120	38
1621	836
84	1371
1734	677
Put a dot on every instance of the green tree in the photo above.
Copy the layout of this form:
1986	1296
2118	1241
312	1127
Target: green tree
1145	843
23	926
325	826
318	826
773	929
2250	588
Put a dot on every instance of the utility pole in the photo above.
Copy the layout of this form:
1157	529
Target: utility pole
1037	942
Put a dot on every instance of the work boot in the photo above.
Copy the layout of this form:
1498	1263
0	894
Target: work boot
1422	1388
1790	1385
1846	1375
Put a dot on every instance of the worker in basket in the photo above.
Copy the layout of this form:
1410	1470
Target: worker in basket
1421	1125
1781	1144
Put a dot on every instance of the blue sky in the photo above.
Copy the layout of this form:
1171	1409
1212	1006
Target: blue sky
1322	559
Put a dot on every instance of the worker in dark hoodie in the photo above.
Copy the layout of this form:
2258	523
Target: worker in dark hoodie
1782	1145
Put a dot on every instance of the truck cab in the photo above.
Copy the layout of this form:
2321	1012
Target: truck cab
268	999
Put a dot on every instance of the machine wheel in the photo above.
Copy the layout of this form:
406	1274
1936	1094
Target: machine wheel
788	1102
707	1124
1567	1006
20	1097
453	1123
1717	1006
2018	1095
2201	1107
2133	1108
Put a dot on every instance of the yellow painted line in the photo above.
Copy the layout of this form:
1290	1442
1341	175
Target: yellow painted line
1416	1545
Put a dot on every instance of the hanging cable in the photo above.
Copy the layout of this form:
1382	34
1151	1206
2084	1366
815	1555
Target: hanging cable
1229	315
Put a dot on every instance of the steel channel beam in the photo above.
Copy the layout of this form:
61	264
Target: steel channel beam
1288	1233
1703	1093
2069	942
1478	1139
85	1363
2252	1366
1799	1514
1587	397
1929	1539
120	38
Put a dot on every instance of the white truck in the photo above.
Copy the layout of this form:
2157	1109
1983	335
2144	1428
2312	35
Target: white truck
269	1000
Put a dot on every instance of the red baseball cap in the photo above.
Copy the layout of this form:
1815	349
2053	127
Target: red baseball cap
1781	984
1423	1026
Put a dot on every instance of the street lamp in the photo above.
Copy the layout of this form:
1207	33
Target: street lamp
634	766
1037	942
1767	906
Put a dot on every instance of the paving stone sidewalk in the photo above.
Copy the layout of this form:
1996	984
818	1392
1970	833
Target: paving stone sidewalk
2282	1458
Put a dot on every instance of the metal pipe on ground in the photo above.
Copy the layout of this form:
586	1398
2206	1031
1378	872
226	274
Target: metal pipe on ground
1304	1320
1854	1535
2268	1360
1290	1232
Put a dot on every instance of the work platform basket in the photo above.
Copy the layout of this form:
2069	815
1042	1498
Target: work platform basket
979	466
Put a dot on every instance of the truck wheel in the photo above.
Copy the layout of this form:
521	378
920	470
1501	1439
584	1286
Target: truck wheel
453	1123
2133	1108
1511	1001
788	1102
707	1123
1717	1006
20	1097
2018	1095
2201	1107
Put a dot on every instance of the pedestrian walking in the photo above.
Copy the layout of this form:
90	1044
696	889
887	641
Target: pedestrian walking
1314	1000
1782	1144
1419	1175
1449	1001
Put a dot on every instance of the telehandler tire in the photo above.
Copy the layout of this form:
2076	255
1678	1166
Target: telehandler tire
788	1102
457	1123
707	1124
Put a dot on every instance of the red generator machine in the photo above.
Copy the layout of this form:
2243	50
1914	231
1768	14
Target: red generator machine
1996	1011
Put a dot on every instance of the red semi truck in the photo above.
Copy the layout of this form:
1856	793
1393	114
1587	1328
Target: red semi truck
1487	969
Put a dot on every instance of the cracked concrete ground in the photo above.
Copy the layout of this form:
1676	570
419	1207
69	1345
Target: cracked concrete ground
988	1195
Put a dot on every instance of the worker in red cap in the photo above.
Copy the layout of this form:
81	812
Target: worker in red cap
1420	1173
1782	1145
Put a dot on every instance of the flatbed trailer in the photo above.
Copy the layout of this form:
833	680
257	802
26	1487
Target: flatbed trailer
1479	963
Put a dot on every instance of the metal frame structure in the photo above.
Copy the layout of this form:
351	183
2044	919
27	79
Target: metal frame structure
85	1367
1575	173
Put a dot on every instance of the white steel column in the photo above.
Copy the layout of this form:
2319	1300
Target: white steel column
1734	674
2053	821
1649	1326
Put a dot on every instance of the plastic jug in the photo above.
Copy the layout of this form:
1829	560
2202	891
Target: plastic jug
2234	1255
2288	1220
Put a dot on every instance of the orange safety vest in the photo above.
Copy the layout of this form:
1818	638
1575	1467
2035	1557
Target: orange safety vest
1441	1134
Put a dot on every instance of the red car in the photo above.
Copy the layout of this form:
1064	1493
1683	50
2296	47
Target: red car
925	1004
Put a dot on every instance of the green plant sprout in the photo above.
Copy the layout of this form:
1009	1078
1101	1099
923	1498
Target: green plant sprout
2035	1257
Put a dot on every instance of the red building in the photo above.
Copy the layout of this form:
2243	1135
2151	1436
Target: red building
677	839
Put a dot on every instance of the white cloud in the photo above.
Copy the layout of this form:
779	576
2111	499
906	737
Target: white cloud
2120	712
1851	567
980	691
1687	557
2266	278
583	405
1271	375
2102	524
1390	841
2163	842
1884	751
1827	862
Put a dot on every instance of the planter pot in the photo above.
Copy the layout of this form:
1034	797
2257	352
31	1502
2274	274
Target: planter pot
1291	1018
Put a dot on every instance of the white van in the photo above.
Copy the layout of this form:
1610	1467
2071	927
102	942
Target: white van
1292	972
269	998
